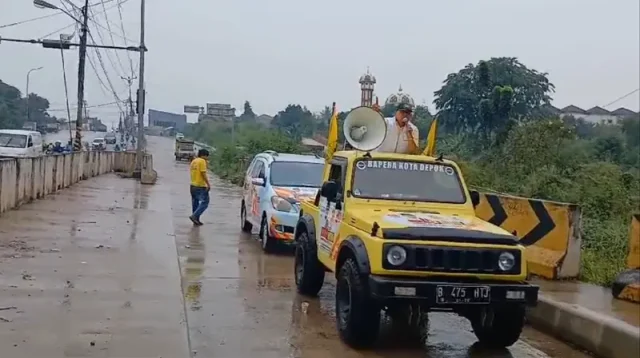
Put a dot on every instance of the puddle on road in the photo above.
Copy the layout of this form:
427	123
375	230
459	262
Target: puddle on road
193	268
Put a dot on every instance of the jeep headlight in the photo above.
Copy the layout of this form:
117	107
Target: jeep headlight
281	204
396	255
506	261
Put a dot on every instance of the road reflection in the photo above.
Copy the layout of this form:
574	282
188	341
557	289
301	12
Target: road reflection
193	269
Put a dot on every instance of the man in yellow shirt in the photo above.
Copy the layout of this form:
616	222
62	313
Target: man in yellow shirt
199	186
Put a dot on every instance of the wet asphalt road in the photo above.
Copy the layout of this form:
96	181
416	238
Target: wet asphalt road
92	272
242	302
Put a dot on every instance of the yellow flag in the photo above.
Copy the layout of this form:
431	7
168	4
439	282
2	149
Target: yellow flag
332	139
430	149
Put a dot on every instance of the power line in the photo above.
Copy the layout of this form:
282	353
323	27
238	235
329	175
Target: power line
106	18
111	33
124	33
30	20
51	15
93	106
621	98
103	41
106	74
58	30
120	2
103	87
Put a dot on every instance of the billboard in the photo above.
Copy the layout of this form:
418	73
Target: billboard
191	109
167	119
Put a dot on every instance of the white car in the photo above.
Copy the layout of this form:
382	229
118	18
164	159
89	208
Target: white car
98	144
20	143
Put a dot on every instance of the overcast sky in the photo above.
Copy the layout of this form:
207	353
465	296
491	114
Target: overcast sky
277	52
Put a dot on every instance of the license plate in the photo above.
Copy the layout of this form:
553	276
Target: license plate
456	294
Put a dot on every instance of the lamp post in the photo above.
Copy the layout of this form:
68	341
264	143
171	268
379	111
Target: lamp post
67	38
28	73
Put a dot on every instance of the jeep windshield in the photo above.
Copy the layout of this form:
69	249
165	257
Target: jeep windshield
298	174
407	180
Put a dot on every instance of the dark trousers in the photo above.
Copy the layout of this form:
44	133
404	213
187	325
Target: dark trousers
199	200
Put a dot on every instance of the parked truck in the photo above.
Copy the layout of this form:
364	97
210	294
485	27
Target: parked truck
185	149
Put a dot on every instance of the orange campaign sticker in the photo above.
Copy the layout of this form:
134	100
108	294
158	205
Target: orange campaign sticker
297	194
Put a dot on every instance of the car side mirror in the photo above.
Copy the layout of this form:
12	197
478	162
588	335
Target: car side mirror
257	181
329	190
475	197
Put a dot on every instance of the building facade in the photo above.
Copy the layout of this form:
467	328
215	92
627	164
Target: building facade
367	84
595	115
167	119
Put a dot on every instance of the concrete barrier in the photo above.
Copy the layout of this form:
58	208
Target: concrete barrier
26	179
148	175
627	285
551	231
600	334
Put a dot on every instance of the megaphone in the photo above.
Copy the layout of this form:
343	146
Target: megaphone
364	129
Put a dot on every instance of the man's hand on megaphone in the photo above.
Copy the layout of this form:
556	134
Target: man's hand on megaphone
376	107
408	126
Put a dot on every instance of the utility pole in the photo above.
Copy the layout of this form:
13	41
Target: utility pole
81	65
128	117
141	97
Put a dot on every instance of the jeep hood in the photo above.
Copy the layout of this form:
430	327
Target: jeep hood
430	226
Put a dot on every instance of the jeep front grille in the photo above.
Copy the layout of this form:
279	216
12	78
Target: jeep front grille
453	260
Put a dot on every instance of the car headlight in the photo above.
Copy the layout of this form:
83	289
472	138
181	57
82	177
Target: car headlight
506	261
281	204
396	255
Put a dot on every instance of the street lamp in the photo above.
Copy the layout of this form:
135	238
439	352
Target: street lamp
28	73
45	5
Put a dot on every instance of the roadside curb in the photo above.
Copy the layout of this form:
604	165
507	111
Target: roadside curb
587	329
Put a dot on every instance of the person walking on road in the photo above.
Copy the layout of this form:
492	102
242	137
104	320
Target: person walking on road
199	186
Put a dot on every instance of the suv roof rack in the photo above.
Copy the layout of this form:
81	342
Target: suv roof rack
272	152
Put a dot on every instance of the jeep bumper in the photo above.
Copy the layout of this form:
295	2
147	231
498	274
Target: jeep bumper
451	294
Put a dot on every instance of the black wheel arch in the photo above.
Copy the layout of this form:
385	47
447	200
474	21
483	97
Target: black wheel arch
306	223
353	247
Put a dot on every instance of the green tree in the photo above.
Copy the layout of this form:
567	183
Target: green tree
13	109
484	98
322	119
631	129
295	121
247	114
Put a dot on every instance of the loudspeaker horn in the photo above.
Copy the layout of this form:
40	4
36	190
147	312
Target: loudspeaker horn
364	128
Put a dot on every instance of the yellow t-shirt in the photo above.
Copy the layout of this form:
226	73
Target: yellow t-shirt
198	169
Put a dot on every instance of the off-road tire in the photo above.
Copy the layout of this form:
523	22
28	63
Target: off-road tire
266	241
359	326
245	226
505	329
308	271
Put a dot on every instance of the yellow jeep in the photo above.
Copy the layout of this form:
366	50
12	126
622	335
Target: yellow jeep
400	233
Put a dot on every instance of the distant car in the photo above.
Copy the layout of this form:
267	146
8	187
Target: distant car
110	138
274	184
179	136
98	144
